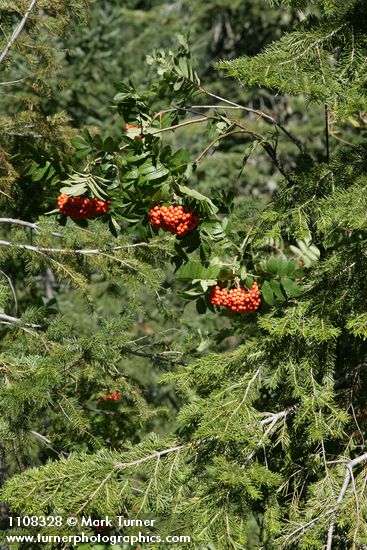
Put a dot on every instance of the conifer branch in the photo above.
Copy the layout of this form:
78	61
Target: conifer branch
19	222
272	420
17	31
92	495
248	386
348	476
10	319
156	454
26	224
314	44
278	416
307	525
298	532
81	251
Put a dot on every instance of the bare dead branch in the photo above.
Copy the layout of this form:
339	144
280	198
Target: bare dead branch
10	319
17	31
348	476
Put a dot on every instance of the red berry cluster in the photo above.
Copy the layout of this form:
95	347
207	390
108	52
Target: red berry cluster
237	299
175	219
82	207
111	396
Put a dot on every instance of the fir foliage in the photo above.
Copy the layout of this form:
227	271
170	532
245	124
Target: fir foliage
28	59
318	59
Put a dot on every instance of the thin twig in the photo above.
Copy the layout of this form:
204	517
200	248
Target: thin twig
218	138
277	416
19	222
255	111
353	372
268	148
10	82
17	31
272	420
248	386
156	454
154	356
11	288
159	114
92	495
309	524
357	510
48	443
180	125
332	134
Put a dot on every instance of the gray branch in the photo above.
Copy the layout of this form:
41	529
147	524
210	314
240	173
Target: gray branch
10	319
159	358
85	251
17	31
26	224
348	475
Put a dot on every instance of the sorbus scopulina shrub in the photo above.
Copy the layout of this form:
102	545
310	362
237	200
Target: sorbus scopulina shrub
110	396
82	207
175	219
236	299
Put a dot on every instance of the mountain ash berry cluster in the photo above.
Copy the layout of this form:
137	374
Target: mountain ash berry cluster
175	219
82	207
110	396
236	299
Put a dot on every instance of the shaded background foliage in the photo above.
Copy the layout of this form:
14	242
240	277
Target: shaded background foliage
114	43
112	46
